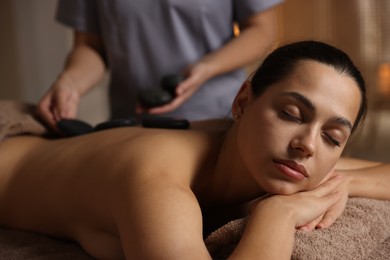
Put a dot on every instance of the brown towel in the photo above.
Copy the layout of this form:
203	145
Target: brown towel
362	232
16	245
19	118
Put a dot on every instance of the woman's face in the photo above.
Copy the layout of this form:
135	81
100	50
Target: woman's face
292	135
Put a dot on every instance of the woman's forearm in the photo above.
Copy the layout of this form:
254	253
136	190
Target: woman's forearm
268	235
372	182
270	230
365	178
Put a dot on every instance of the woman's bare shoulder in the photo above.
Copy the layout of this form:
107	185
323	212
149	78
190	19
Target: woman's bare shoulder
134	148
178	153
159	143
201	133
217	125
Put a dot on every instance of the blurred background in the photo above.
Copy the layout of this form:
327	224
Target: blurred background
33	48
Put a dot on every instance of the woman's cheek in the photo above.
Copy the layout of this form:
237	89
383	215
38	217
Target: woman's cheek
325	174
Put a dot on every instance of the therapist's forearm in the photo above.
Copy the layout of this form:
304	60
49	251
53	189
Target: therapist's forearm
256	39
84	67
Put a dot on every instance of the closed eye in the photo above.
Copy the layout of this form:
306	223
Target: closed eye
291	117
332	141
329	139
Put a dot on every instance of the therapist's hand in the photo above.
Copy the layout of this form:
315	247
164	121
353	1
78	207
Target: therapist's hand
60	102
195	76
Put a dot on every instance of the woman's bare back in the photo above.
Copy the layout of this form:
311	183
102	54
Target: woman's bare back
70	187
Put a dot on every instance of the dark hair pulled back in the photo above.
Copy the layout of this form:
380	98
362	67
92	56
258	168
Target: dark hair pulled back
282	61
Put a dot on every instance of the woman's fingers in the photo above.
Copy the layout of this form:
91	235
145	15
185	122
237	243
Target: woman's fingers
328	219
330	198
333	213
315	207
312	224
311	205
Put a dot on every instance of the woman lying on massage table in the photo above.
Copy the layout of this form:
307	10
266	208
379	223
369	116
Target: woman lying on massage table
153	194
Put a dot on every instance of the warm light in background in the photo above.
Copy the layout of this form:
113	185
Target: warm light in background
236	30
384	79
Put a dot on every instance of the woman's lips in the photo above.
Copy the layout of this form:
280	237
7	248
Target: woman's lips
291	169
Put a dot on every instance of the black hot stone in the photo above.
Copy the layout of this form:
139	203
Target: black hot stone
73	127
154	98
170	82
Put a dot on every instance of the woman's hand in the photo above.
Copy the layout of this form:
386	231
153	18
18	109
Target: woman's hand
331	215
274	220
60	102
306	207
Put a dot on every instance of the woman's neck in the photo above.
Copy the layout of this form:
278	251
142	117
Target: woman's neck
230	182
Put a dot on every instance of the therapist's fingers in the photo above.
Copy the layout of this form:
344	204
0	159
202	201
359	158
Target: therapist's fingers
195	76
66	104
55	106
190	85
45	110
177	102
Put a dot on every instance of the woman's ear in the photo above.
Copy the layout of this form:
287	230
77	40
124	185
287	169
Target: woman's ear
242	100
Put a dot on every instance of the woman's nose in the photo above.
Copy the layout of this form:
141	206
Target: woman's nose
304	143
